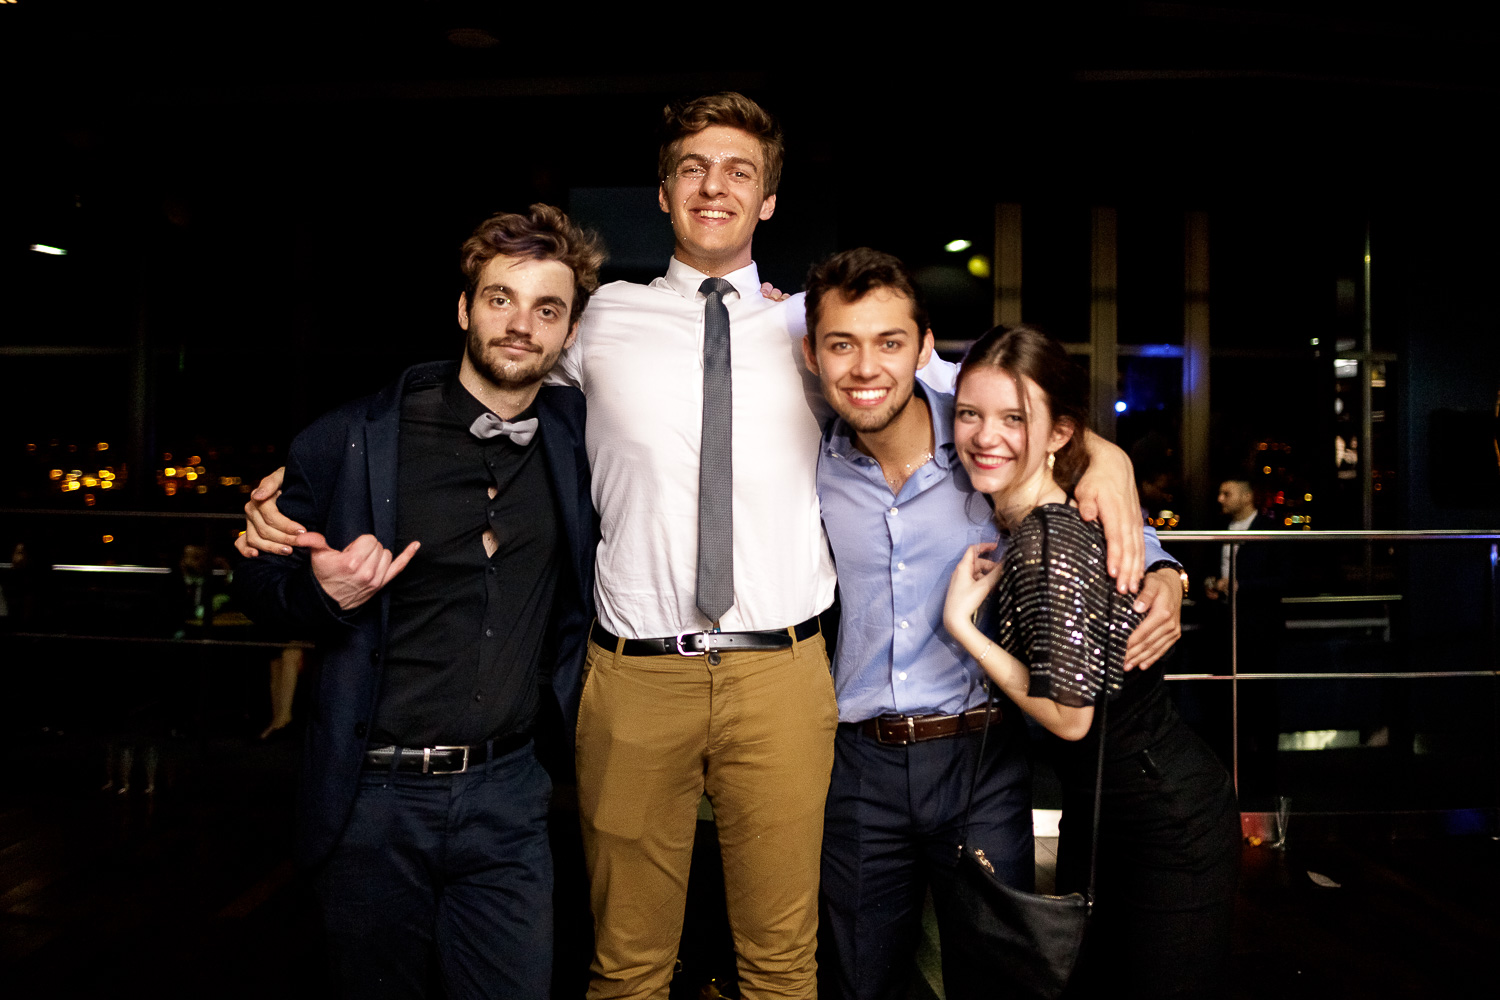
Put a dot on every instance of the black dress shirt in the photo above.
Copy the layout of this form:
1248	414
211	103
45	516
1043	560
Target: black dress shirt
466	626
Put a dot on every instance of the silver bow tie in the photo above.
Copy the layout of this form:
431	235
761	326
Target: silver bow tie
520	432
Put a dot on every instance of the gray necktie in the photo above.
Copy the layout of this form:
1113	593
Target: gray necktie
715	460
520	432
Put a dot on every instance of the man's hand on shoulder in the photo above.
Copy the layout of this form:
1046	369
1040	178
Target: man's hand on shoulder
770	291
352	575
1106	493
1161	601
266	529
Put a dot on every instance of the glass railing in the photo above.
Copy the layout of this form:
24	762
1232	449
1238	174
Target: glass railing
115	624
1346	671
120	575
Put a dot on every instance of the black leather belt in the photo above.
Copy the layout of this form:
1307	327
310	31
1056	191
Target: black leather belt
443	760
904	730
698	643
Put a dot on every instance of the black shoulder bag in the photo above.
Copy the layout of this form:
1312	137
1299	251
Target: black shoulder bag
1025	943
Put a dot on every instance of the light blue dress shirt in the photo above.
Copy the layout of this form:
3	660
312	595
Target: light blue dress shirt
894	556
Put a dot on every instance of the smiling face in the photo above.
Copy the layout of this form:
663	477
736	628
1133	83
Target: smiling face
521	319
714	196
866	354
1002	441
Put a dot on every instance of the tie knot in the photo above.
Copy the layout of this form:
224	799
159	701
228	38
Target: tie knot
711	285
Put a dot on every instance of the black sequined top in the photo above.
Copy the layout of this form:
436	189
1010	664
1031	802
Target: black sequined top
1058	610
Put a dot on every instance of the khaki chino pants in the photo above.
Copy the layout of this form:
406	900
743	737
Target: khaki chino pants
754	732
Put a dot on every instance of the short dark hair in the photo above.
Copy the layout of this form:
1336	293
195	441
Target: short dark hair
681	119
854	274
542	233
1027	352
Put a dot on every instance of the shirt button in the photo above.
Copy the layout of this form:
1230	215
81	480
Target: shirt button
479	696
901	565
905	623
894	512
901	676
489	633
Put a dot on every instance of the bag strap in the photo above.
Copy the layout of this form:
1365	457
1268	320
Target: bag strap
1101	706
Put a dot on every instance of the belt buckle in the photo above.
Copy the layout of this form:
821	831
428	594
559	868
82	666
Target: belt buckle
427	760
688	652
894	736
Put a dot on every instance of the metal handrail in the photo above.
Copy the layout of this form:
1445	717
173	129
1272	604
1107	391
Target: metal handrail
1290	534
179	515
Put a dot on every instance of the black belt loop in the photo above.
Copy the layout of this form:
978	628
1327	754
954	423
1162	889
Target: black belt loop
489	764
395	764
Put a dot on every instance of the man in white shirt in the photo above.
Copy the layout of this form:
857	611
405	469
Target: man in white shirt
1237	501
750	720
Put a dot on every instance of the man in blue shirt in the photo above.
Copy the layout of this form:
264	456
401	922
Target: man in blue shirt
900	512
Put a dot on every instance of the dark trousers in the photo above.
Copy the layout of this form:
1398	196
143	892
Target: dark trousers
892	829
448	868
1169	851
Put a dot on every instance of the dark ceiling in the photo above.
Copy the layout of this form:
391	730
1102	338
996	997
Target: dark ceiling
266	193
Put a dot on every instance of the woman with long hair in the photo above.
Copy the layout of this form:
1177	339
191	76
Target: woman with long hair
1169	826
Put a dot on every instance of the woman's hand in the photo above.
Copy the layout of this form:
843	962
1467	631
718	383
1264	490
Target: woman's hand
973	579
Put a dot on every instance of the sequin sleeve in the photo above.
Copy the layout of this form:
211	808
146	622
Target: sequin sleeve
1057	609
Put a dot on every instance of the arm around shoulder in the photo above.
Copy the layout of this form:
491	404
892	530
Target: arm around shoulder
1107	493
281	592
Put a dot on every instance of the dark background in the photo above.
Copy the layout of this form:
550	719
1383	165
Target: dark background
262	207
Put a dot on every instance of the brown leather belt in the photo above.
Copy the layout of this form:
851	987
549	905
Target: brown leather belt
904	730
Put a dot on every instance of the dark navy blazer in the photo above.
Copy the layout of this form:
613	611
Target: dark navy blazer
341	481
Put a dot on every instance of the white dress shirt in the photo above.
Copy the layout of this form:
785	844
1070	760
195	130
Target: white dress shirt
1243	524
639	361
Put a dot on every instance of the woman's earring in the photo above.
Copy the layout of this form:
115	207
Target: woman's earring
1051	460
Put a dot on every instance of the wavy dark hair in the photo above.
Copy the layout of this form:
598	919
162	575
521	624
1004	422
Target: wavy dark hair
543	232
853	274
685	118
1026	352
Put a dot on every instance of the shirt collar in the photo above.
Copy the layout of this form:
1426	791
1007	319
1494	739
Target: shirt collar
840	439
467	409
685	280
941	406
